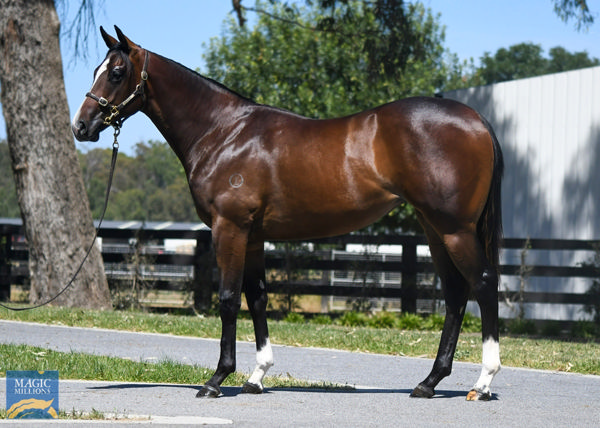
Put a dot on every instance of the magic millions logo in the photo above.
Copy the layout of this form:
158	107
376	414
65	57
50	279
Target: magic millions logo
31	394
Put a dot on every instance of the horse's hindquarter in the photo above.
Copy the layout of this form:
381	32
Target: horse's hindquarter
439	155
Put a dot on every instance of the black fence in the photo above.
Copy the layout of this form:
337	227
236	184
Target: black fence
198	272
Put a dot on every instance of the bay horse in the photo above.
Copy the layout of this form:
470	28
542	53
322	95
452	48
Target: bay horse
259	173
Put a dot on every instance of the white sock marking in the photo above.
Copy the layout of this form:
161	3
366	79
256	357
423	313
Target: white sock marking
490	362
264	361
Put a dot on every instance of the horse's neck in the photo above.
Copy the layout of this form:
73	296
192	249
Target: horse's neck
188	108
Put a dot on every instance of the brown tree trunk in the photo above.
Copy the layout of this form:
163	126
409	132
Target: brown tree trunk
54	206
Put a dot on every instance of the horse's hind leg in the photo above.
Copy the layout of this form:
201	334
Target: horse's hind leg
467	254
486	294
254	287
456	292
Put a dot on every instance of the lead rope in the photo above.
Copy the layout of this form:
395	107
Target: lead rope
113	162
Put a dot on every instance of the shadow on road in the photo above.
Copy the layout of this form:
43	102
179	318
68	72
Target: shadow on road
233	391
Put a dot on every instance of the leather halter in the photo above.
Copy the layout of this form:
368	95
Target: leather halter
113	118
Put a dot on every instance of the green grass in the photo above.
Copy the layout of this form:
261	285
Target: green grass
516	351
75	365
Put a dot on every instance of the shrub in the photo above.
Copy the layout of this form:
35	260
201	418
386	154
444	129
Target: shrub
294	317
321	320
434	322
471	324
410	322
584	330
551	329
352	319
502	325
383	319
593	305
522	326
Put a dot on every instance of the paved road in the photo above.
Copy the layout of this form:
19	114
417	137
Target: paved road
381	398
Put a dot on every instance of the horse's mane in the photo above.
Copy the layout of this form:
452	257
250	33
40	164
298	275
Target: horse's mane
221	87
211	82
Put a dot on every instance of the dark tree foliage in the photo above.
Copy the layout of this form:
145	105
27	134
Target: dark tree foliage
563	60
527	60
149	186
389	41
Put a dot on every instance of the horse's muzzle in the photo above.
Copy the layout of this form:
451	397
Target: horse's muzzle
81	131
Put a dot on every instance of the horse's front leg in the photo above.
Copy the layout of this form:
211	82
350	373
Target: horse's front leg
254	287
230	247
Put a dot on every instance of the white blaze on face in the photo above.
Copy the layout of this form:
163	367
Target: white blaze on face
101	69
264	361
490	362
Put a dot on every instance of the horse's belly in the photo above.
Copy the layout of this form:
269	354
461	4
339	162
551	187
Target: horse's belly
323	220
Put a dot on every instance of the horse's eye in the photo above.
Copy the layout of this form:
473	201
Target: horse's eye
116	74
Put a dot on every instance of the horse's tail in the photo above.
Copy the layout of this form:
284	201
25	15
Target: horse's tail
489	227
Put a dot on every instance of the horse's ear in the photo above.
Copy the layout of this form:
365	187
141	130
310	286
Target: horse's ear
126	44
108	39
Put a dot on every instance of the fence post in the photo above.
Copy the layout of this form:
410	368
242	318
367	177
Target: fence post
5	263
409	277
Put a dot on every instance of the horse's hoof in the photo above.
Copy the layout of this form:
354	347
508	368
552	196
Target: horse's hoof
422	391
209	391
251	388
475	395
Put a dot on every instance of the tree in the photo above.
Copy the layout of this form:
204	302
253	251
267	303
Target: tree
516	62
562	60
527	60
151	186
310	69
50	192
577	10
388	39
317	73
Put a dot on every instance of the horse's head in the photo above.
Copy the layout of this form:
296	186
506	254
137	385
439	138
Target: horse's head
117	91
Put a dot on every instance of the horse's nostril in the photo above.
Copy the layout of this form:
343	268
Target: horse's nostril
79	129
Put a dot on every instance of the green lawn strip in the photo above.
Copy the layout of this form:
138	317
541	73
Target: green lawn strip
549	354
75	365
